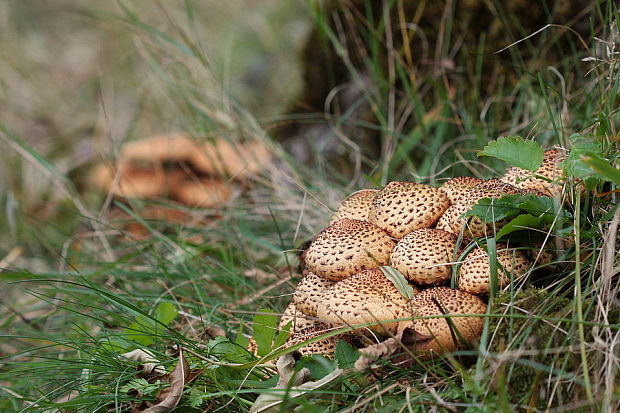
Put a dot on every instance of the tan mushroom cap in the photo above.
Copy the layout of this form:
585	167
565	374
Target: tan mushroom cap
455	188
524	179
157	149
424	256
231	159
402	207
347	247
366	297
216	157
440	301
201	192
298	320
129	181
475	272
356	206
309	293
324	346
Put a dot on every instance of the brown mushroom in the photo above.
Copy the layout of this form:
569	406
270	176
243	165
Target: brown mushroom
402	207
347	247
431	310
366	297
425	256
324	346
475	272
455	188
203	192
298	319
356	206
309	293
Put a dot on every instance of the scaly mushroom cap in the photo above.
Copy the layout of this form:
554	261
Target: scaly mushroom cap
325	346
524	179
298	320
402	207
356	206
439	301
452	221
423	256
347	247
455	188
475	272
366	297
309	293
204	192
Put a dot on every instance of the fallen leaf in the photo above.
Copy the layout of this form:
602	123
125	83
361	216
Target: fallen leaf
168	398
152	366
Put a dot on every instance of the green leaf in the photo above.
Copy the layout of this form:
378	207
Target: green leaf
165	313
521	223
603	168
283	335
399	281
516	151
346	355
496	209
264	327
225	350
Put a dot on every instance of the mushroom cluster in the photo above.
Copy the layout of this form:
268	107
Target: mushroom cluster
192	172
418	231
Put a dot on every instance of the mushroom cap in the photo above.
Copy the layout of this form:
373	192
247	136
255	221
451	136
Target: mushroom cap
157	149
299	320
455	188
475	272
201	192
366	297
216	157
231	159
129	180
439	301
347	247
524	179
309	293
401	207
420	254
356	206
325	346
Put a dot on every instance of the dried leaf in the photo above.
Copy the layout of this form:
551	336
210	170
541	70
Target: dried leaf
168	398
296	384
408	338
151	366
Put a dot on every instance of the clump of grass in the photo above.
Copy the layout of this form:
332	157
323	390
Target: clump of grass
548	345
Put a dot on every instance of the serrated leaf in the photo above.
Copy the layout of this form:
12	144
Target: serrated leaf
516	151
399	281
346	355
495	209
264	327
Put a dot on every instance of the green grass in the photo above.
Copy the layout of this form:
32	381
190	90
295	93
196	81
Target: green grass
77	292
